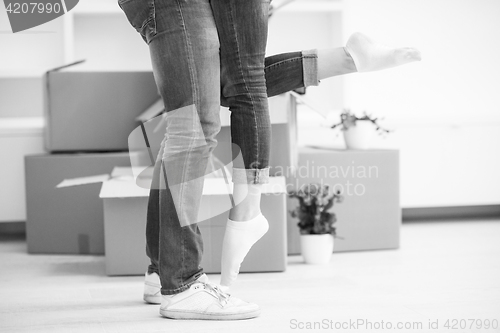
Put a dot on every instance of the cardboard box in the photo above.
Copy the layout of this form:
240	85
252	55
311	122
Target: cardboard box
125	207
94	110
66	220
369	218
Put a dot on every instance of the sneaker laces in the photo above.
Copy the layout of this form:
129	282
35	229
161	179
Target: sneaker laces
217	292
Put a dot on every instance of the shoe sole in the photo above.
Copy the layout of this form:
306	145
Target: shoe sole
152	299
208	316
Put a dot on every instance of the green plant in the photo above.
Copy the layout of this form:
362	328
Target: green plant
349	119
313	212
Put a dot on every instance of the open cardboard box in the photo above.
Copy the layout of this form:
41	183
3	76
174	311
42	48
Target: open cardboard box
125	206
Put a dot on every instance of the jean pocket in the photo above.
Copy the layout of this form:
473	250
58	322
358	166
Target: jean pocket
141	15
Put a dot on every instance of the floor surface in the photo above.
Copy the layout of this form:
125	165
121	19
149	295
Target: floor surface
443	271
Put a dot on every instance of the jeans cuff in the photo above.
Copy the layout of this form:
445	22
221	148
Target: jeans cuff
250	176
310	67
176	291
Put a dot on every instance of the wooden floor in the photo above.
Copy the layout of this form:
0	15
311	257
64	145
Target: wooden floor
443	270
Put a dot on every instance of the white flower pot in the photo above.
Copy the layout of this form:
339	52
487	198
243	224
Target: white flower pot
359	136
316	249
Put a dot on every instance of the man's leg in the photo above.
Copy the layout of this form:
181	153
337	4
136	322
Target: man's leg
184	54
152	285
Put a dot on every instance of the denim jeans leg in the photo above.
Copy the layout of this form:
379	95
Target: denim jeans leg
289	71
242	27
185	57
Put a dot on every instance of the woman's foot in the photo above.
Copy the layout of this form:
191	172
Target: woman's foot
370	56
239	237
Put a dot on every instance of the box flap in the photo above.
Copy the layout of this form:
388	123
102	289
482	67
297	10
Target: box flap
122	172
122	188
83	180
118	173
66	66
123	185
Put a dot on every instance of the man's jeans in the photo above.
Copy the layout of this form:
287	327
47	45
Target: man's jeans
202	50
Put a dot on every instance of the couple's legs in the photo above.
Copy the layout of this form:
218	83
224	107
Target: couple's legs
184	44
185	57
283	73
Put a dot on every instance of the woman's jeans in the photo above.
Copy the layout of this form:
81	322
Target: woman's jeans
202	50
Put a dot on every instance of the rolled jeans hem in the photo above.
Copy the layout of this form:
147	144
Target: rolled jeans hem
251	176
176	291
310	67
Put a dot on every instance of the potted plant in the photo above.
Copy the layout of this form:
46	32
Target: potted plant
358	130
316	221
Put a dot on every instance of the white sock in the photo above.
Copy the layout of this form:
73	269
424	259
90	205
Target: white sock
238	239
369	56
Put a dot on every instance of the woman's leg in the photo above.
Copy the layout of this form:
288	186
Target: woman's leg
242	27
288	71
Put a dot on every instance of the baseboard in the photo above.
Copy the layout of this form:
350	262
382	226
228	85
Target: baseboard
17	228
408	215
445	213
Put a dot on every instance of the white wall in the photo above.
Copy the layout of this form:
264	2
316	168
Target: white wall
27	50
459	76
446	108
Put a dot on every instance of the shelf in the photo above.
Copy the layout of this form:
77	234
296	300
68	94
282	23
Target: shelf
95	8
22	74
21	126
312	6
92	8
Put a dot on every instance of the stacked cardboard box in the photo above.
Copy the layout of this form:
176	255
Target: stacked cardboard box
88	117
66	220
94	111
89	120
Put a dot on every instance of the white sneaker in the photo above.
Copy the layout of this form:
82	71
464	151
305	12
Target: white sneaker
206	301
152	288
